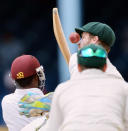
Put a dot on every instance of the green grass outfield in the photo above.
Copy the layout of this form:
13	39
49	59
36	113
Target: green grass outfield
2	128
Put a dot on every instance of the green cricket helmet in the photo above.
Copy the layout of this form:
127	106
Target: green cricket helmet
92	56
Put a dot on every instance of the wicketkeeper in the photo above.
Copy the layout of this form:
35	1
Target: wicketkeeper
29	79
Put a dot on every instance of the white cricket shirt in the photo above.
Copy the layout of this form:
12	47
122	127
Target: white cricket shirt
12	118
91	101
73	69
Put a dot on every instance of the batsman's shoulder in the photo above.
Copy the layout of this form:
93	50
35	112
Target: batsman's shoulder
73	59
74	55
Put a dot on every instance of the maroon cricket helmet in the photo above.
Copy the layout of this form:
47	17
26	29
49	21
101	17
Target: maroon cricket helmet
24	66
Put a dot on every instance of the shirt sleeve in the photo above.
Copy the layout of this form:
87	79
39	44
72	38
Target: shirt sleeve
35	124
5	110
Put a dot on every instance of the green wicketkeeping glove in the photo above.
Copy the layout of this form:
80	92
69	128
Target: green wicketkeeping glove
33	105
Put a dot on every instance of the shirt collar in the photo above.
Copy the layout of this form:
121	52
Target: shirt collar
89	73
92	71
24	91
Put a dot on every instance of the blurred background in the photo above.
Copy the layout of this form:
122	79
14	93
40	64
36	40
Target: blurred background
26	28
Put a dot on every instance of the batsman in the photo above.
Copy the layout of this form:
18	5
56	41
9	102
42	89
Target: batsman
100	34
92	32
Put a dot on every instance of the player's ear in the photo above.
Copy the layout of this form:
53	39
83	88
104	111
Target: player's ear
104	68
79	68
35	80
108	50
95	39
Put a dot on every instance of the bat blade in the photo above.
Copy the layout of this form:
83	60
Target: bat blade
59	35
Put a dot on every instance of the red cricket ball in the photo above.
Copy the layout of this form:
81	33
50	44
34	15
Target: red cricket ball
74	37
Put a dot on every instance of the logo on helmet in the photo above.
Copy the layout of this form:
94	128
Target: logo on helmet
20	75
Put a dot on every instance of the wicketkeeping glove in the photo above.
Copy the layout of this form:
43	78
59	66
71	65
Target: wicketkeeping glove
34	105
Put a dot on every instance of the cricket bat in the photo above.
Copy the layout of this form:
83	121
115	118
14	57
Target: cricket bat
59	35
